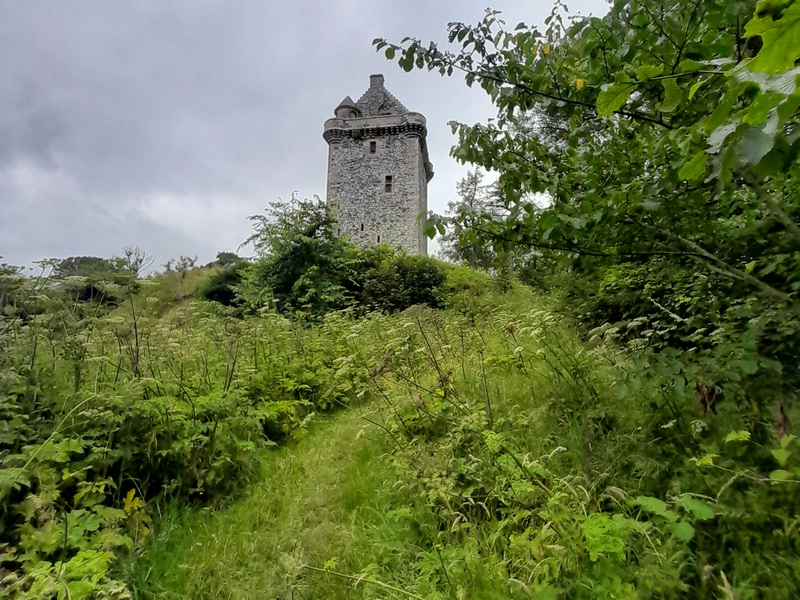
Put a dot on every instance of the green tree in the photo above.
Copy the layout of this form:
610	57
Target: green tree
227	259
666	119
461	243
302	260
663	136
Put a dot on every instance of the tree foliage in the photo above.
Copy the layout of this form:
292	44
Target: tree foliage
302	260
665	137
461	242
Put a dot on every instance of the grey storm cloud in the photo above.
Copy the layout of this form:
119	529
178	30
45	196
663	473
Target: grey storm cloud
164	124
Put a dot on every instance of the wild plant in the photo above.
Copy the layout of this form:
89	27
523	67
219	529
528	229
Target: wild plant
543	465
105	410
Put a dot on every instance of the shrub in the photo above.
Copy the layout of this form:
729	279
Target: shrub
394	281
220	287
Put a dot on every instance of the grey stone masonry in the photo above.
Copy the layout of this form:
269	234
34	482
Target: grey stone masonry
378	169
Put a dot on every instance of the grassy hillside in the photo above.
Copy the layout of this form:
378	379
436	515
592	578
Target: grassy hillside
322	500
173	448
500	456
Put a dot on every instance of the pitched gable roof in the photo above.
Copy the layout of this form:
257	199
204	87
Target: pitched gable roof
377	100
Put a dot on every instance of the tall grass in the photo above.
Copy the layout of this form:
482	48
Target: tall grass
501	456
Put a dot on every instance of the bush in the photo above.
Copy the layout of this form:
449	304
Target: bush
385	280
220	287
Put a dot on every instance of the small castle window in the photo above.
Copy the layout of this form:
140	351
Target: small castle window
387	184
362	227
379	239
353	114
373	147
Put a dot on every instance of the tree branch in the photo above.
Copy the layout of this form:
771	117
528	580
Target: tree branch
771	205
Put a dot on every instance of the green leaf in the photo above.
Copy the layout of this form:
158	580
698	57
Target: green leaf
760	108
650	205
707	460
779	29
700	510
612	97
780	475
390	53
756	142
407	62
694	168
689	65
650	504
672	96
781	455
696	86
646	72
683	531
741	435
719	135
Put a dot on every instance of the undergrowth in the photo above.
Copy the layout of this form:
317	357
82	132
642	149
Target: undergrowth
504	457
105	413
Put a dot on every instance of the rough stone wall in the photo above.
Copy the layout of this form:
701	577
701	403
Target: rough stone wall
368	213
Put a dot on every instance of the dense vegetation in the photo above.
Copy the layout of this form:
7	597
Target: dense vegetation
618	427
118	390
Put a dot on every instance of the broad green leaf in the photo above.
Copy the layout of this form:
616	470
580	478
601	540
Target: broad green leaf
760	108
757	141
718	136
779	29
612	97
781	455
738	436
407	61
780	475
646	72
694	168
672	96
683	531
689	65
700	510
696	86
650	504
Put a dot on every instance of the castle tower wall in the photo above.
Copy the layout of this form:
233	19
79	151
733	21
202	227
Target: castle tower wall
378	170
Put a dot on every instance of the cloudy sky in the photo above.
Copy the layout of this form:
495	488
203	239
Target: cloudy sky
163	124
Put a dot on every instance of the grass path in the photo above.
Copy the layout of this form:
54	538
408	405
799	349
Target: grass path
326	500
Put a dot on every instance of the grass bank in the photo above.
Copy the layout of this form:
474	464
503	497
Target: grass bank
324	502
503	456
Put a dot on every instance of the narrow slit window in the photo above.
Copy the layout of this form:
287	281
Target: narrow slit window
373	147
379	239
362	227
387	184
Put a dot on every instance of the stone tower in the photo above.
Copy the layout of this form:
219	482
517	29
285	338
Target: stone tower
378	169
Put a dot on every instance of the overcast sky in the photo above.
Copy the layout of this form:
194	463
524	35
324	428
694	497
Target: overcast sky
164	124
